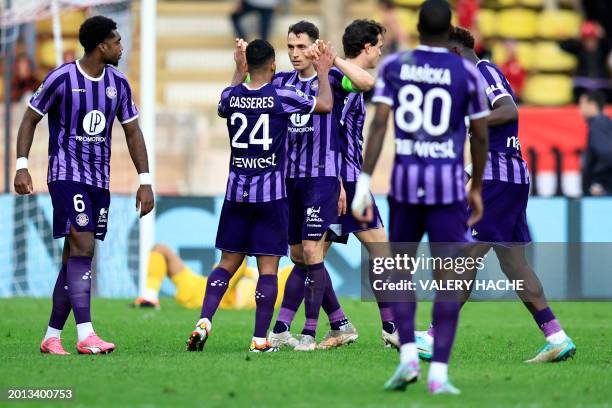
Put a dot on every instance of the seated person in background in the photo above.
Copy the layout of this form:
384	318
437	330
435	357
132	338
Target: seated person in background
190	287
597	165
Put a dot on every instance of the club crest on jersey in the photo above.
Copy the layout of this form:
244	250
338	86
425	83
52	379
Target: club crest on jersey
315	85
82	219
94	122
111	92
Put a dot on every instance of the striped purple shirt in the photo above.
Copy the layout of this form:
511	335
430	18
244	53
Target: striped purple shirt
257	121
352	118
505	160
431	92
81	113
312	143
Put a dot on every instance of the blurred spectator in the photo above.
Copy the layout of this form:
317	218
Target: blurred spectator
513	70
467	13
480	47
24	80
597	165
121	12
396	38
600	11
591	50
265	9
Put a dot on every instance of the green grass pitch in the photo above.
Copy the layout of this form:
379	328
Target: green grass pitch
150	367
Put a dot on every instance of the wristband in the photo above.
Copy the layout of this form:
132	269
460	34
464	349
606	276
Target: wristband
21	163
145	179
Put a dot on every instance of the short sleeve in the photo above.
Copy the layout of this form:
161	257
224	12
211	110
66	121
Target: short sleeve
127	108
222	107
383	93
495	85
478	106
335	79
295	101
48	93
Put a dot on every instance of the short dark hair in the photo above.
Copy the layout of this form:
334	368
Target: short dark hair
598	97
434	17
259	53
304	27
358	34
462	36
94	31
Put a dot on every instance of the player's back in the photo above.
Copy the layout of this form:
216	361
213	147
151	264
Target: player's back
431	92
257	124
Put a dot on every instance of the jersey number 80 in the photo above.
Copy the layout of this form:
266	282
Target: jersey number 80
411	100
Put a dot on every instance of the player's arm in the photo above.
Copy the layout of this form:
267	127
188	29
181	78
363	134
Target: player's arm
359	80
138	152
25	137
479	146
504	111
241	71
362	202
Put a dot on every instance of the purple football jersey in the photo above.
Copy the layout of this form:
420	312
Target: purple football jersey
505	161
431	92
257	121
81	113
352	117
312	143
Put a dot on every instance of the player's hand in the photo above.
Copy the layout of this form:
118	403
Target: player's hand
342	200
475	202
326	59
362	201
23	182
240	54
145	199
312	52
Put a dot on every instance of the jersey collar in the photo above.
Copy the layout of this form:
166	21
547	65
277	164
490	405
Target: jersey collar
89	77
422	47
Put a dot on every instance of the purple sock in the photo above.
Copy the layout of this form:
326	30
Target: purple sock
547	322
61	301
292	298
216	285
265	298
404	312
313	296
331	306
445	320
78	275
386	317
430	331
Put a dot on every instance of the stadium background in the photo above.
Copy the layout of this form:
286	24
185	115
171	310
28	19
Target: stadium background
194	62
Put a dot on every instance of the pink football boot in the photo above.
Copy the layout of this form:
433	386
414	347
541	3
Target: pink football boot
94	345
53	345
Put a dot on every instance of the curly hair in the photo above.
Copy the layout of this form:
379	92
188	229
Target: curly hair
94	31
462	36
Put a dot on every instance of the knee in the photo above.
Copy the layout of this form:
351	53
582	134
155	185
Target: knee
82	246
311	253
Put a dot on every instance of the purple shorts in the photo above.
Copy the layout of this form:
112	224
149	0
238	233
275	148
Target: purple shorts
253	228
443	222
505	213
313	207
347	223
81	206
